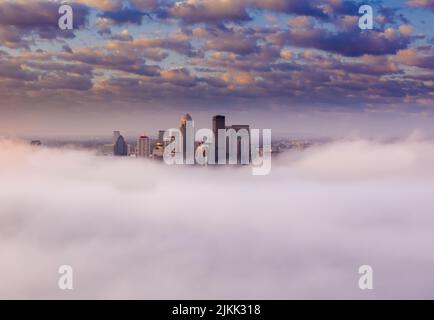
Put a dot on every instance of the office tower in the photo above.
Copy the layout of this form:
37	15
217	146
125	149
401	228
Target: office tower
242	140
161	136
132	150
120	148
183	129
218	122
116	135
143	147
158	151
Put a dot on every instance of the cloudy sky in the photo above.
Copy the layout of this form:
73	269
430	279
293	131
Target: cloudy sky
298	67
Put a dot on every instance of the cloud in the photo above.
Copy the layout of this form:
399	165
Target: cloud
218	11
429	4
351	43
16	71
150	5
21	20
422	57
102	4
242	42
124	15
227	53
118	60
209	11
138	229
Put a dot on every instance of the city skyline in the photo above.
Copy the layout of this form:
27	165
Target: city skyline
216	149
240	145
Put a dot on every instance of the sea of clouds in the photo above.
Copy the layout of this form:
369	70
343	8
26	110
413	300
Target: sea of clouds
133	228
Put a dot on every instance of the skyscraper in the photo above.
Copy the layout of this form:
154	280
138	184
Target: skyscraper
161	136
242	143
120	148
143	147
158	151
218	122
183	129
116	135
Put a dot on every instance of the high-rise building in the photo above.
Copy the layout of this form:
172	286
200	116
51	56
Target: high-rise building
120	148
116	135
132	150
183	129
218	122
143	147
242	141
158	151
161	136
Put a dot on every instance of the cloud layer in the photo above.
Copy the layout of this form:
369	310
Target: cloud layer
277	54
137	229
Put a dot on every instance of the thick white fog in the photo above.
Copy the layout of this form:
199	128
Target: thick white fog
139	229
